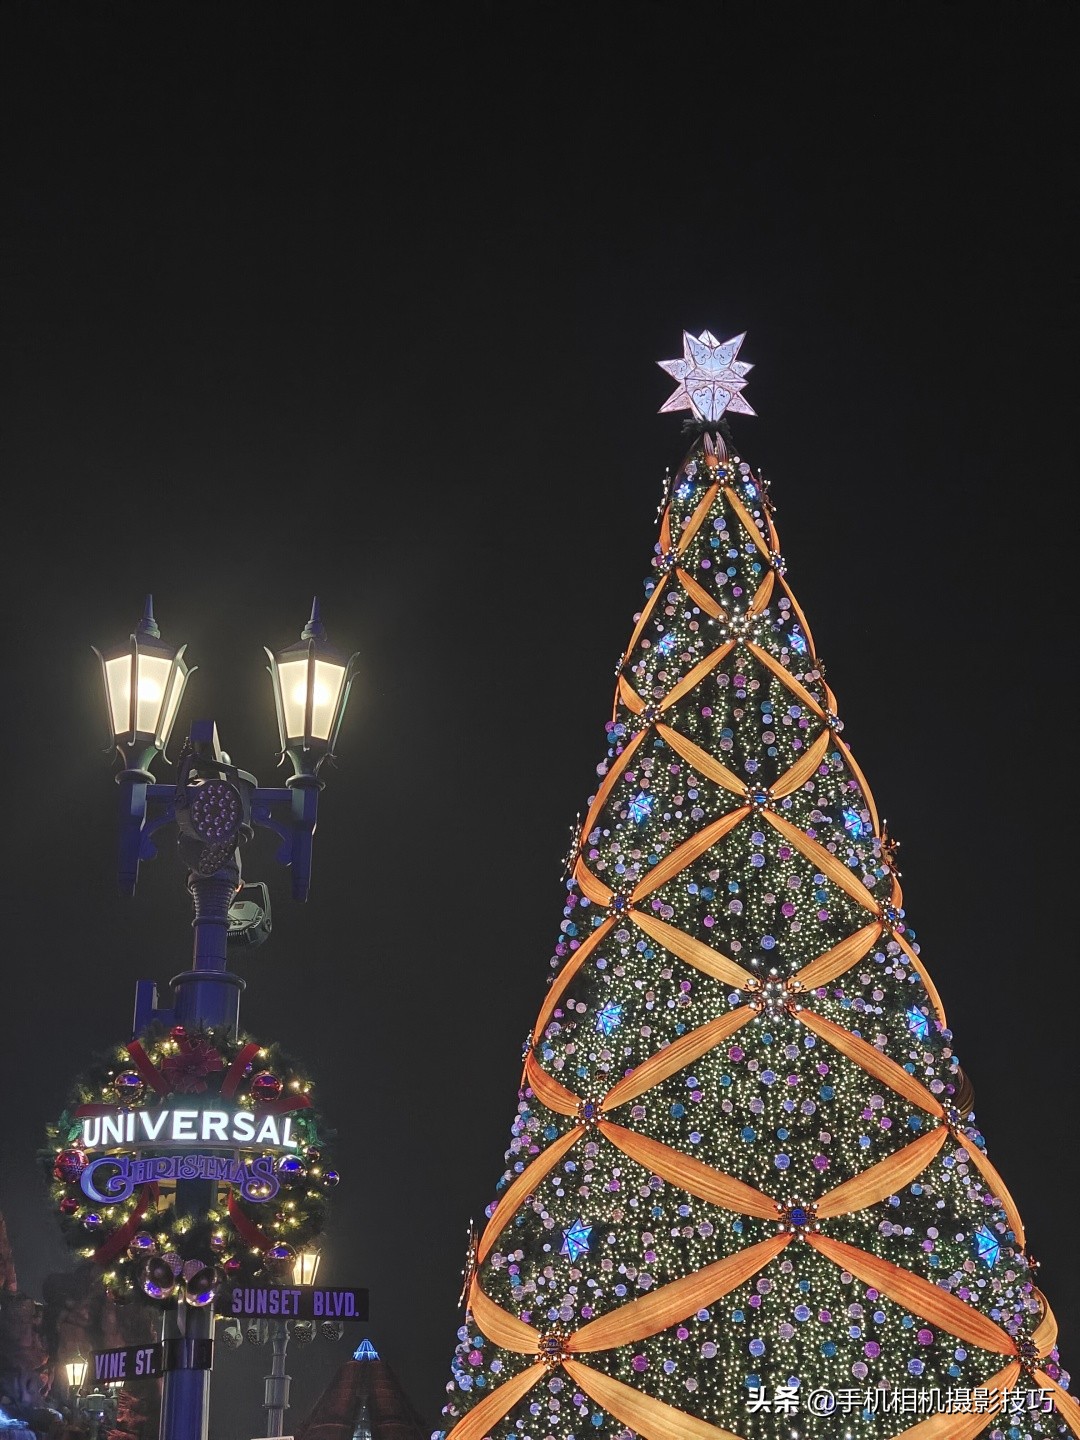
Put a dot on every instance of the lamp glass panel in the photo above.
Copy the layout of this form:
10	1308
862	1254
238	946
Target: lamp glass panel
118	689
76	1372
173	705
328	682
293	676
153	678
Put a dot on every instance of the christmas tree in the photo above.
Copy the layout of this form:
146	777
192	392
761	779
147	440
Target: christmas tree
745	1193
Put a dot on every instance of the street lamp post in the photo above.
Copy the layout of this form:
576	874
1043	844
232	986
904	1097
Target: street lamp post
99	1407
214	807
278	1334
75	1374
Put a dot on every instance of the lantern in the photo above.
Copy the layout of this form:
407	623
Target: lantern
144	682
75	1371
306	1265
311	688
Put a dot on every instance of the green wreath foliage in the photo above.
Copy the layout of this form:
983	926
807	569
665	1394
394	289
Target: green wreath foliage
194	1064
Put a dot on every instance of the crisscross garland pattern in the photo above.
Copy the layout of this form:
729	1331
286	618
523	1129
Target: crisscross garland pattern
745	1154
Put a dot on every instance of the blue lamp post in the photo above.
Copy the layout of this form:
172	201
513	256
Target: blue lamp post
213	806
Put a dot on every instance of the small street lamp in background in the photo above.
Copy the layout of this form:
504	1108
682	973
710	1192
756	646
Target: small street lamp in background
97	1409
306	1265
75	1373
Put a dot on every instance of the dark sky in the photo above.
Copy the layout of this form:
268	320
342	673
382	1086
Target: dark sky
367	301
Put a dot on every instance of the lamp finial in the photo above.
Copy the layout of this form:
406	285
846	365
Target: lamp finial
148	625
314	629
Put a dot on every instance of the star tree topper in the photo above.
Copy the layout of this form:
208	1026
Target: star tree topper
710	378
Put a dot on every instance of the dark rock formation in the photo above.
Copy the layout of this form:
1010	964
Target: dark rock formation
74	1315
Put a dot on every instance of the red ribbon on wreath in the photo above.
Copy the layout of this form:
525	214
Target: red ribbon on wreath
146	1068
248	1231
282	1104
121	1238
231	1083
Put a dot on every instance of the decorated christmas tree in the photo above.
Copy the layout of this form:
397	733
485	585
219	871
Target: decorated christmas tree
745	1193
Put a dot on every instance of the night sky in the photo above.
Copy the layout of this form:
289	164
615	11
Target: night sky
366	301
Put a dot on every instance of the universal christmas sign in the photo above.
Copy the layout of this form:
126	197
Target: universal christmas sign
226	1129
109	1179
172	1107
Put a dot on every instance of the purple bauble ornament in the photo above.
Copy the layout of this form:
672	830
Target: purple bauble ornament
290	1170
128	1087
280	1257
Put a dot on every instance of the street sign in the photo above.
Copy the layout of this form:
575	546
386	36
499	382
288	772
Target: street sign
140	1362
297	1302
133	1362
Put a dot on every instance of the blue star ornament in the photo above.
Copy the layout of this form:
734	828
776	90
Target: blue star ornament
710	378
987	1246
575	1240
608	1018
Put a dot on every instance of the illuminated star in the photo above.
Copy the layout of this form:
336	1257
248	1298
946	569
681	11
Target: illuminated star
575	1240
608	1018
987	1246
710	378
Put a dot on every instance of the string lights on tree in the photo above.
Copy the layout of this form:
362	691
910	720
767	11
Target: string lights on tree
745	1171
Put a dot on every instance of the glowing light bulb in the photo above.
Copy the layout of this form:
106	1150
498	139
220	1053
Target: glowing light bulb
320	696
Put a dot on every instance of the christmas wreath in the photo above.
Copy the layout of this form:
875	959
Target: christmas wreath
113	1163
